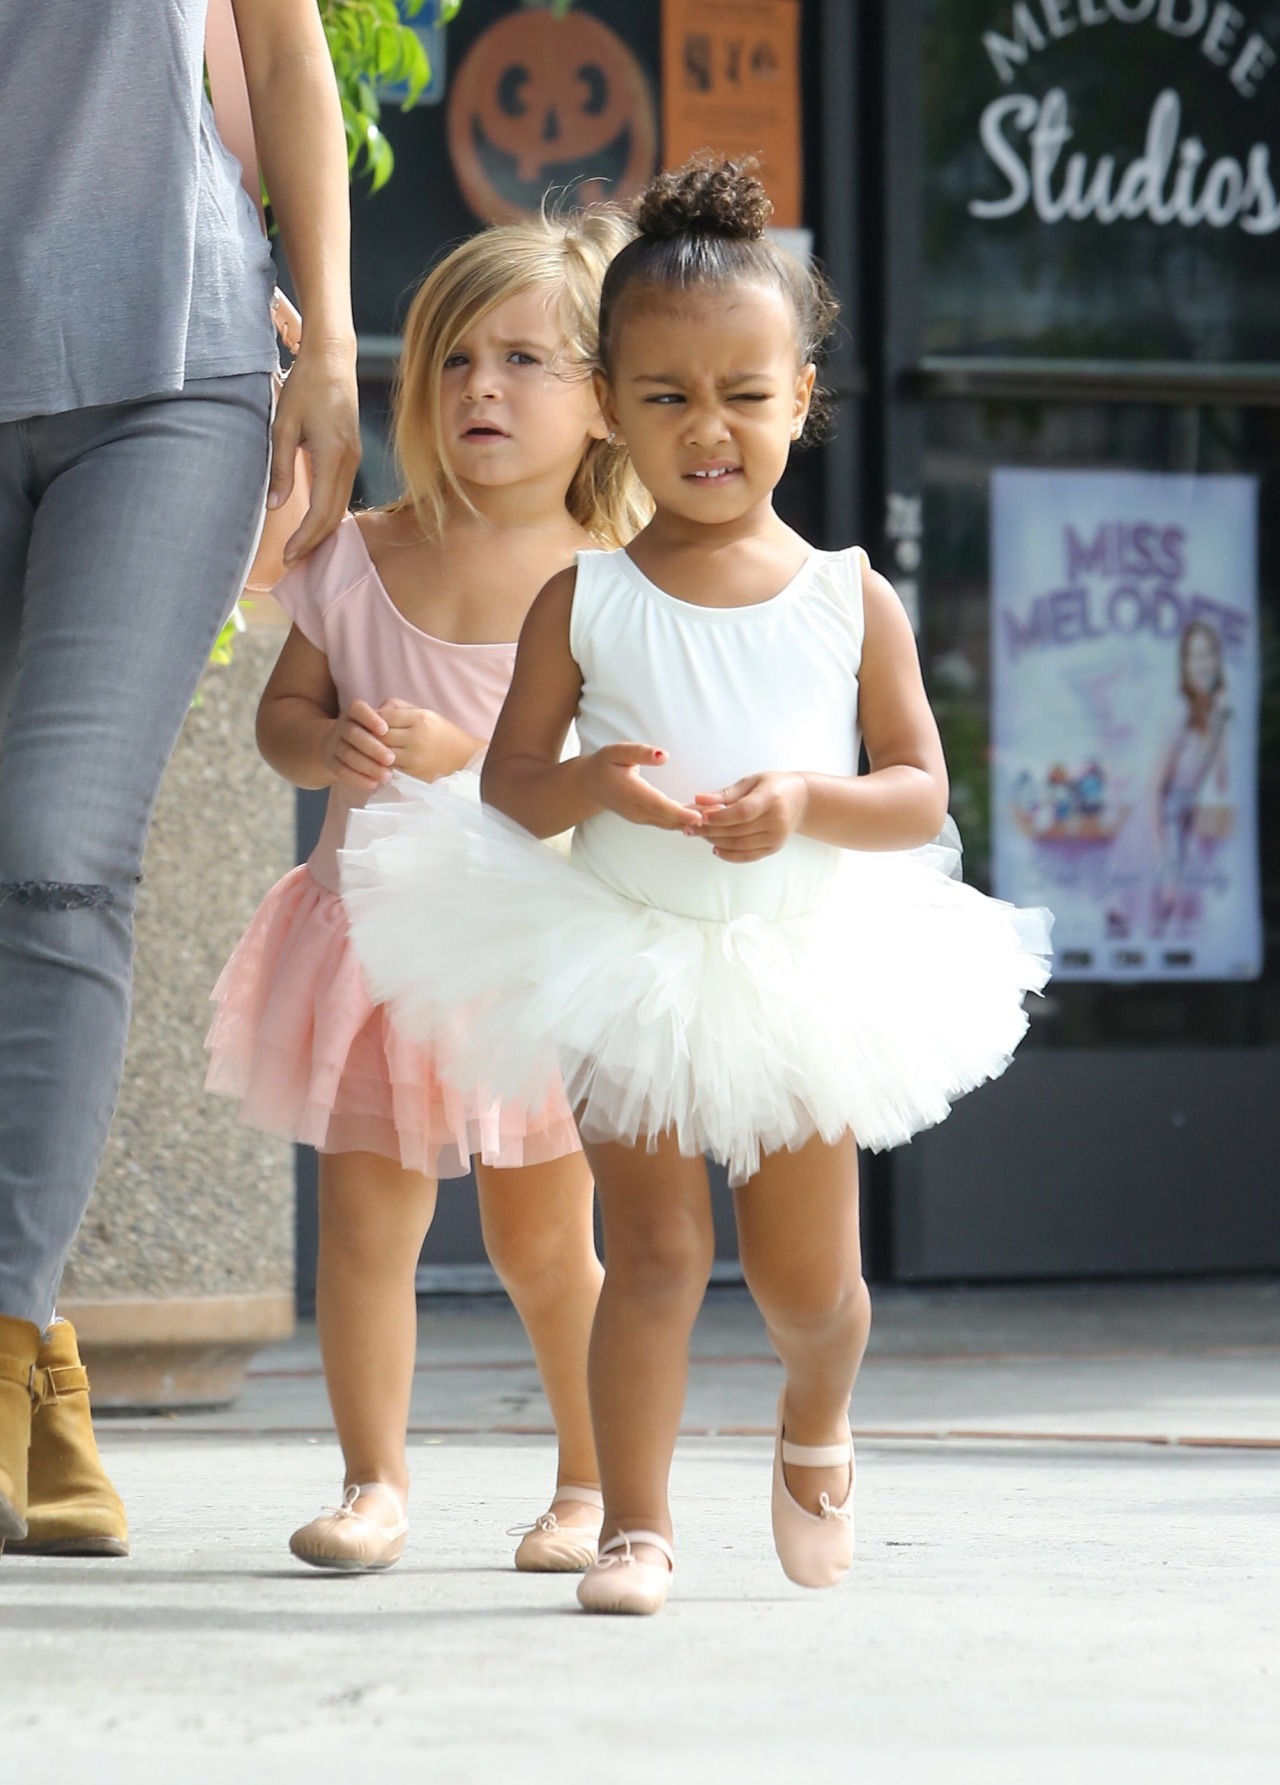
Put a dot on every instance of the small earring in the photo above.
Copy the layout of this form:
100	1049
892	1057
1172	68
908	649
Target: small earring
613	435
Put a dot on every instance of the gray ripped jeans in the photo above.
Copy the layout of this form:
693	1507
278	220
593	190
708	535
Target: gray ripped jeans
124	532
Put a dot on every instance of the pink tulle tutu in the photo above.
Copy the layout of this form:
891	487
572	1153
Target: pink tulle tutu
298	1040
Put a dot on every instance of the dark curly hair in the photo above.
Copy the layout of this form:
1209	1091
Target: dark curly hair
704	224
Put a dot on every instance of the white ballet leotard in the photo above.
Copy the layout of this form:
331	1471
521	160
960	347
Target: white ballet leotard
740	1008
727	692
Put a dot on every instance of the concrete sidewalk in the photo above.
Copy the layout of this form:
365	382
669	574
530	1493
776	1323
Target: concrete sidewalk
1068	1569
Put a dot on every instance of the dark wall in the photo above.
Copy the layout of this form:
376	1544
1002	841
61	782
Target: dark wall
399	231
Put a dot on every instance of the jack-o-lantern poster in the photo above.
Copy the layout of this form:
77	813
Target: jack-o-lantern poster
549	102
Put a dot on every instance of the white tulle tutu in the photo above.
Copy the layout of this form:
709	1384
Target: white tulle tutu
902	991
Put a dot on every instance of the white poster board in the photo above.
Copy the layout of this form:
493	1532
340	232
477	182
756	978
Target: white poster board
1124	644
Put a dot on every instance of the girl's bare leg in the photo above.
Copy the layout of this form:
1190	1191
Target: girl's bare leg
802	1259
374	1216
538	1223
658	1248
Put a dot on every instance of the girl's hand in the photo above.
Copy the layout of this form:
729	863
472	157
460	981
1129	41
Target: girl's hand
614	782
754	817
424	744
354	751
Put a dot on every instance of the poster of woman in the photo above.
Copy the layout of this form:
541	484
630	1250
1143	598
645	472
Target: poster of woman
1124	725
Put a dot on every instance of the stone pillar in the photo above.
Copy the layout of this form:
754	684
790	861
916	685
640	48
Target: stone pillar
184	1264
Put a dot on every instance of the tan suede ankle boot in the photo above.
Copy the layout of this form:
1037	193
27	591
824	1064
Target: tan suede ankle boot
19	1347
72	1509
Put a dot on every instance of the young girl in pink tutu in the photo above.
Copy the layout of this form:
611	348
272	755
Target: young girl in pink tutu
400	655
751	952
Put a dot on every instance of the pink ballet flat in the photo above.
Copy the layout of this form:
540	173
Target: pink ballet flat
351	1541
815	1548
620	1582
548	1547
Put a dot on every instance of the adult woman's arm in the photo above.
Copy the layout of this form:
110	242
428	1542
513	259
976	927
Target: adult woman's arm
297	121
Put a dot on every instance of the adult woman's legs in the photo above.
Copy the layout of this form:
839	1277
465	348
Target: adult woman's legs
124	532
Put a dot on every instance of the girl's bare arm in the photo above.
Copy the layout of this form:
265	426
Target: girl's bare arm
304	736
903	801
523	775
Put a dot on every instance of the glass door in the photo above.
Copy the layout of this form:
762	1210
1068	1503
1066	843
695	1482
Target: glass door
1081	434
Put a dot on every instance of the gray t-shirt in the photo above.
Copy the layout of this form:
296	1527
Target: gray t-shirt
131	258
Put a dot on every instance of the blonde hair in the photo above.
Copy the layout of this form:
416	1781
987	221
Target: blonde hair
567	254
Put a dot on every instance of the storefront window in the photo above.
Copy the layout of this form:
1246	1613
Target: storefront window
967	443
1102	178
1088	307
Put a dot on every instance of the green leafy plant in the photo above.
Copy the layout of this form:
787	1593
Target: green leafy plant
373	48
221	652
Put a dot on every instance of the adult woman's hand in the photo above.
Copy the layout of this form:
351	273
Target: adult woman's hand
318	411
297	121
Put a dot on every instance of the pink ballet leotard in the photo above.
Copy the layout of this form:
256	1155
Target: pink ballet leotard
297	1037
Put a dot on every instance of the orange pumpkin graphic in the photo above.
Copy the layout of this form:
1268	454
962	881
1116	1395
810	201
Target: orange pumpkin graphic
542	102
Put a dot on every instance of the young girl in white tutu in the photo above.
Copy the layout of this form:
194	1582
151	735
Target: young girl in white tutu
399	658
750	953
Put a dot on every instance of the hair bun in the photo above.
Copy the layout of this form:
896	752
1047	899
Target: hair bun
707	196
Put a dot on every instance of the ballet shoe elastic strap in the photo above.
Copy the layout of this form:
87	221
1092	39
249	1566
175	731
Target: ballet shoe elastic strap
816	1456
356	1491
618	1551
580	1494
